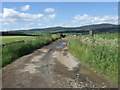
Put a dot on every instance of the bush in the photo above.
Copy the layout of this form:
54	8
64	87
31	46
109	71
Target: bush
16	50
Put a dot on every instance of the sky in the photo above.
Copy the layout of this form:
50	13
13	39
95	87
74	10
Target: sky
27	15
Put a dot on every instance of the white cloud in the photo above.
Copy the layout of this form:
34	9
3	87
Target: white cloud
3	29
49	17
39	24
25	8
49	10
10	15
31	24
5	23
52	16
87	19
13	17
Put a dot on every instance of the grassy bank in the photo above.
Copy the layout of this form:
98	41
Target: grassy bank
99	53
16	50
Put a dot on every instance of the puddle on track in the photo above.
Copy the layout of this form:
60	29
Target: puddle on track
92	76
95	78
45	68
61	45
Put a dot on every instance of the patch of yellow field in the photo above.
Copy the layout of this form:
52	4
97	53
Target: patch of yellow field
12	36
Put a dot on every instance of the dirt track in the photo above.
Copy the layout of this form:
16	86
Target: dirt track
50	67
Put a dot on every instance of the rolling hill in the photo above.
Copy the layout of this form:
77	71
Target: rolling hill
97	28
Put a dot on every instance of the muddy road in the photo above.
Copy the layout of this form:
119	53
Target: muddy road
50	67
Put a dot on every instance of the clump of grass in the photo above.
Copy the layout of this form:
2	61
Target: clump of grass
14	51
100	54
107	36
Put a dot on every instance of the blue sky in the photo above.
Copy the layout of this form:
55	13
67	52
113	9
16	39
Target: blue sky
26	15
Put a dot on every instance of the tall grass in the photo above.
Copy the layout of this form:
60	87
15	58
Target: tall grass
14	51
100	54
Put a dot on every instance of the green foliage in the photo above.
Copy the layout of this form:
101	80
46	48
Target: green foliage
55	36
100	54
16	50
107	36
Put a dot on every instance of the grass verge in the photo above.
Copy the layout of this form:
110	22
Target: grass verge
97	53
16	50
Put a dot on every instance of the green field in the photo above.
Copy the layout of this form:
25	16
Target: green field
99	52
9	39
107	36
13	51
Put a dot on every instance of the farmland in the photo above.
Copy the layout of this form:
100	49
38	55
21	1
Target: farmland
107	36
9	39
13	51
99	53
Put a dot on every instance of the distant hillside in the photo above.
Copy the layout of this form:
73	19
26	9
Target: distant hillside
97	28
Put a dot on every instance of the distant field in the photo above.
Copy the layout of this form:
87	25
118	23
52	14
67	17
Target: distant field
107	36
13	51
8	39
